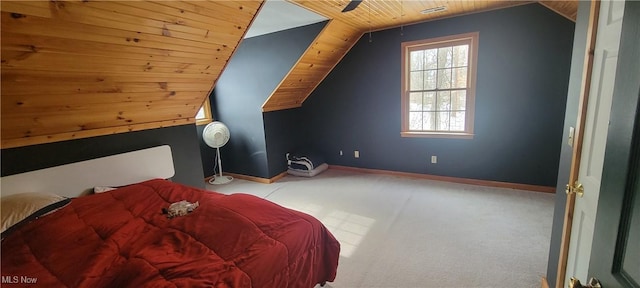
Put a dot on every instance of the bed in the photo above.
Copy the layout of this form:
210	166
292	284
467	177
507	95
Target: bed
121	238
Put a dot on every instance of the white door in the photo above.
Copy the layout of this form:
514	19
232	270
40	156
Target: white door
595	137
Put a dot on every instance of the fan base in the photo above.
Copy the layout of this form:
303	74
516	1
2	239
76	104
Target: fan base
217	180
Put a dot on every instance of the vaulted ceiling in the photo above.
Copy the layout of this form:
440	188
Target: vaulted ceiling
345	29
74	69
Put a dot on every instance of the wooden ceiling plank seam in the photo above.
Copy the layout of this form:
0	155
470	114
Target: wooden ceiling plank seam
222	12
24	46
44	61
240	8
191	19
73	119
147	11
97	111
107	14
122	68
18	75
75	34
17	116
455	7
172	27
303	4
252	5
156	46
36	62
447	16
43	100
33	23
392	11
40	58
33	123
29	43
103	87
84	14
26	8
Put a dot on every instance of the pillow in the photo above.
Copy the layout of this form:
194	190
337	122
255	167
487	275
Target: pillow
24	207
100	189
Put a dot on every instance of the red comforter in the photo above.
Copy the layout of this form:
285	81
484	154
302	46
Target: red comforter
121	239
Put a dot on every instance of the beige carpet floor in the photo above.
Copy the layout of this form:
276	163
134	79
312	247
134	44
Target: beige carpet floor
403	232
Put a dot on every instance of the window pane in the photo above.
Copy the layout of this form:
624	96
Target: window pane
457	121
459	100
444	78
431	57
430	77
429	121
415	101
200	114
444	101
417	60
415	82
459	77
415	120
445	57
442	123
461	56
429	101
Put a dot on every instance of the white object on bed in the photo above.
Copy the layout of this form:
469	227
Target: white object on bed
75	179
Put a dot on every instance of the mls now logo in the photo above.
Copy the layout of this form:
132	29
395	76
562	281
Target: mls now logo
18	280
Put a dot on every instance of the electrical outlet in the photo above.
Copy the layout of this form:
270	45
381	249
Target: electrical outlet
356	154
434	159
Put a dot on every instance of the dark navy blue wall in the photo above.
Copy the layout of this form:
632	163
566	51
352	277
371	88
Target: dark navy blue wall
523	71
285	133
571	116
253	73
182	139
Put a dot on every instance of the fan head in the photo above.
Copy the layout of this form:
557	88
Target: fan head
215	134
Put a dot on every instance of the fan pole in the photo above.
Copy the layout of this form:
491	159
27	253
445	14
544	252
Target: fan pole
219	179
219	161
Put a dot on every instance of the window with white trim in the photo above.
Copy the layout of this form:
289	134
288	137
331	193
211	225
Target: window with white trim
438	86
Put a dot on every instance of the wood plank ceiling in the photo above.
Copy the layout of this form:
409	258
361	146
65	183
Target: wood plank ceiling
74	69
345	29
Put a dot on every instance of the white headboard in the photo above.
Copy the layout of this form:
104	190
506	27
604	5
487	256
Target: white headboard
76	179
